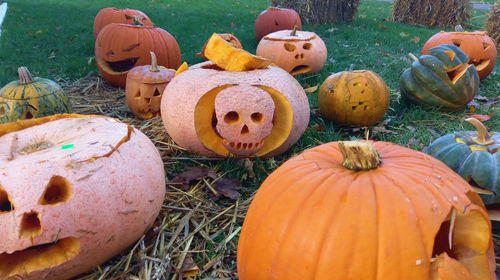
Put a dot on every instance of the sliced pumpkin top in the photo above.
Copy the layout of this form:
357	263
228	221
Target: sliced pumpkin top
230	58
287	35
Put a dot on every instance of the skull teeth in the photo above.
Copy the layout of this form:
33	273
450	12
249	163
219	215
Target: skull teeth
242	145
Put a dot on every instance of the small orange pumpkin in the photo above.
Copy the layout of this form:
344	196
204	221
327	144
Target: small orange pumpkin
145	85
297	52
121	47
477	45
359	97
113	15
274	19
350	210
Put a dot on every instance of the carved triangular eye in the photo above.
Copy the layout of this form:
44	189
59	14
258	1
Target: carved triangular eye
457	42
486	46
450	54
6	204
58	190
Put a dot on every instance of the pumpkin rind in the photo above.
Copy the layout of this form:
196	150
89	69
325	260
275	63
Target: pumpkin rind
442	78
312	218
274	19
358	97
113	15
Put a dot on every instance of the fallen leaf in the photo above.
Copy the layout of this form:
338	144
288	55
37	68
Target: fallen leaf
189	268
228	188
319	128
332	29
382	129
248	164
482	118
314	26
233	25
411	129
415	39
192	173
403	34
310	90
435	132
380	25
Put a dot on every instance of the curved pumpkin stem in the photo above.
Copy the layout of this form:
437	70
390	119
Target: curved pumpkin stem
294	31
138	20
154	63
483	137
24	75
413	57
459	28
359	155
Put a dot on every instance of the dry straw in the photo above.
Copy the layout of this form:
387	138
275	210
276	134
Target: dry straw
493	24
321	11
439	13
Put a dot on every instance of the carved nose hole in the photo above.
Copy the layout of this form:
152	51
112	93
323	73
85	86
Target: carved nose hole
456	42
148	100
297	56
289	47
276	23
6	204
486	46
110	53
232	117
257	117
28	115
58	190
245	130
31	225
301	55
157	92
307	46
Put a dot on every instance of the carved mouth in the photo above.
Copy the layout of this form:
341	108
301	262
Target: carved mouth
457	72
117	67
301	69
480	63
38	257
241	147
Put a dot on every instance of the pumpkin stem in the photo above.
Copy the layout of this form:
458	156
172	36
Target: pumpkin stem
294	31
24	75
154	63
413	57
138	20
359	155
483	137
459	28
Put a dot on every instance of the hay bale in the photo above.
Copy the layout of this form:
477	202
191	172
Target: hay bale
439	13
493	24
321	11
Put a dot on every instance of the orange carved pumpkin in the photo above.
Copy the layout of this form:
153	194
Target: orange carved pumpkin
477	45
145	85
121	47
298	52
274	19
356	211
228	37
113	15
75	191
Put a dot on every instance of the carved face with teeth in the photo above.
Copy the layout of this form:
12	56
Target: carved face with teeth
121	47
298	53
74	191
214	112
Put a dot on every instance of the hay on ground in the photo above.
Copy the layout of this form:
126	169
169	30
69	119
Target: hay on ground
321	11
493	24
439	13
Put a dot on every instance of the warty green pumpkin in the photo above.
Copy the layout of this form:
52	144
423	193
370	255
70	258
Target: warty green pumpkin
31	98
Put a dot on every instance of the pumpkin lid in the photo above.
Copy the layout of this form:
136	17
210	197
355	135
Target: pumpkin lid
286	35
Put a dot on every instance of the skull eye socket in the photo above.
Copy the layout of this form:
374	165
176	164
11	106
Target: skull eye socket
257	117
307	46
6	204
232	117
58	190
289	47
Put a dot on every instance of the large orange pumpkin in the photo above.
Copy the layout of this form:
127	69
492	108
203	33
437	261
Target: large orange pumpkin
120	47
75	190
113	15
274	19
343	211
477	45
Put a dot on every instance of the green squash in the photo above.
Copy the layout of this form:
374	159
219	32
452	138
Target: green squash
475	155
441	78
31	98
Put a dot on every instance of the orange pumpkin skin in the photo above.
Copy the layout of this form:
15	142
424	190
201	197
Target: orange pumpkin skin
312	218
303	53
113	15
84	187
228	37
213	112
478	46
359	97
274	19
120	47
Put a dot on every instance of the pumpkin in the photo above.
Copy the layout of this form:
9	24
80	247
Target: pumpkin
228	37
441	78
144	87
121	47
31	98
113	15
365	210
75	190
274	19
477	45
359	97
475	155
298	52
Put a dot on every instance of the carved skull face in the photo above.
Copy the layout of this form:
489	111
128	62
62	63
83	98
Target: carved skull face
244	116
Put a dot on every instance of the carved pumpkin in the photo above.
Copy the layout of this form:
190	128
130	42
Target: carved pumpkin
441	78
145	85
74	191
274	19
478	46
113	15
474	155
298	52
31	98
356	211
358	97
121	47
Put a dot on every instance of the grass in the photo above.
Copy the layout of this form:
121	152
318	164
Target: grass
55	40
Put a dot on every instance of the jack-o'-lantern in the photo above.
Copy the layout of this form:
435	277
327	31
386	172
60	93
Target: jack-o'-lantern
113	15
121	47
274	19
145	85
75	190
298	52
477	45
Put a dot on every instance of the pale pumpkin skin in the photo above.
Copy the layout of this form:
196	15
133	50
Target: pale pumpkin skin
183	93
117	184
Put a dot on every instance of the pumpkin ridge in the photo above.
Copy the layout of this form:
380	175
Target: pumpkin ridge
459	169
439	78
439	97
